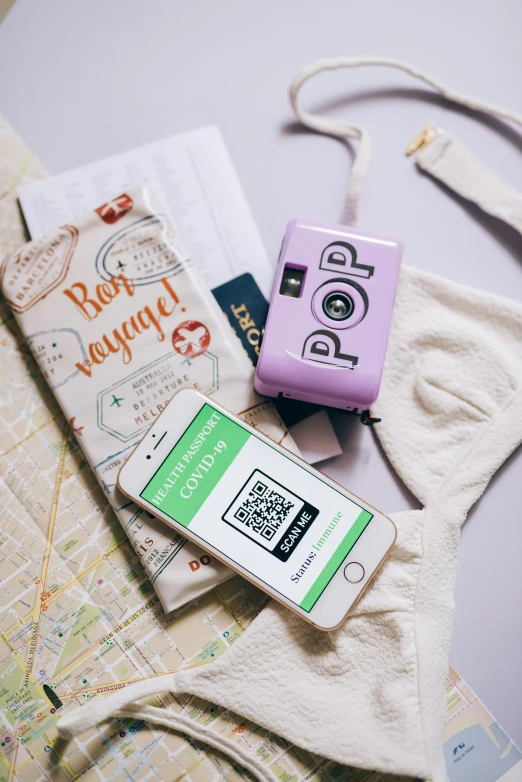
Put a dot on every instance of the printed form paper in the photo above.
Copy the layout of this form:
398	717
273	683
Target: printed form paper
194	179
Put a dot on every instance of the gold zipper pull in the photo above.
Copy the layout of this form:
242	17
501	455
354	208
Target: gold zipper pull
422	139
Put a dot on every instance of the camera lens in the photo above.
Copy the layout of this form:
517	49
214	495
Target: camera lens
338	306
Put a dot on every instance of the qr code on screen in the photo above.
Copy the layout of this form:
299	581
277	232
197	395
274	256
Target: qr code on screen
263	509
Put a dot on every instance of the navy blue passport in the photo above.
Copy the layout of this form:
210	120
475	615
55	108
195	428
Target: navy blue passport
246	309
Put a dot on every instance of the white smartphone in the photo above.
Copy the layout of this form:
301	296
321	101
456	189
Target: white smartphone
258	508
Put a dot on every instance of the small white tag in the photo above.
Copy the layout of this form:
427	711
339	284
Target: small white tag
315	438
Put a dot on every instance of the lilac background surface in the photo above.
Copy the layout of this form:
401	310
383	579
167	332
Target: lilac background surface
84	80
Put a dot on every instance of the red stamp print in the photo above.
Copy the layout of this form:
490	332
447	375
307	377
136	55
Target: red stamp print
191	338
76	429
114	210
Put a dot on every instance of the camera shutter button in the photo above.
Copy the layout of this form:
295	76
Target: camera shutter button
354	572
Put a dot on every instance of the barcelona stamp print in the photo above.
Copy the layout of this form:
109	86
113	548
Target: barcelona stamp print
37	268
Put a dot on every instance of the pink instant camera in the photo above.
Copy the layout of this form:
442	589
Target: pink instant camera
329	320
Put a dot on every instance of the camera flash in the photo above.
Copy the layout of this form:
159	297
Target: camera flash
292	282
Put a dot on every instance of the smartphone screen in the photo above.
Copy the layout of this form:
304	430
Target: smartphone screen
257	507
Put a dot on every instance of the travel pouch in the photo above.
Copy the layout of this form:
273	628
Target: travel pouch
118	322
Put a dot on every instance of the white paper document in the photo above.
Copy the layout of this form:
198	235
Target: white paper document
195	181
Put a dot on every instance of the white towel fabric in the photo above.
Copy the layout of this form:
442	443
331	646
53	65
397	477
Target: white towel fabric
371	693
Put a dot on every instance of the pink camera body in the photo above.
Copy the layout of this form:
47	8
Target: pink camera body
330	313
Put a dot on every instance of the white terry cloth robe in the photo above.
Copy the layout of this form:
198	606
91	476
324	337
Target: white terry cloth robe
371	694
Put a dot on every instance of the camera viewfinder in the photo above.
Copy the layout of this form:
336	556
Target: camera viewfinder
292	282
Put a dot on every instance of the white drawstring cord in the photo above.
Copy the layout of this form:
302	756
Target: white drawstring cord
345	130
123	704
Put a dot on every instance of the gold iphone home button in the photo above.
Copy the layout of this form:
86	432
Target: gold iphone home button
354	572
